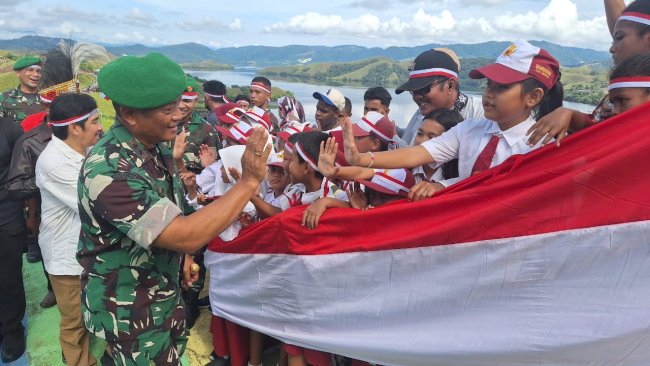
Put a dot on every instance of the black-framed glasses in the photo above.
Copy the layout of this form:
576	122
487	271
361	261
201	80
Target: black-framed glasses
426	89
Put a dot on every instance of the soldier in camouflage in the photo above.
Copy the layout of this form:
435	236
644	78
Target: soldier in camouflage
24	100
198	131
131	207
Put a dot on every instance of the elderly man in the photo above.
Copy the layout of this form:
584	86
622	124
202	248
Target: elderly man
132	210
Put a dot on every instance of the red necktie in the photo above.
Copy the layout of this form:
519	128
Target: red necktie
484	159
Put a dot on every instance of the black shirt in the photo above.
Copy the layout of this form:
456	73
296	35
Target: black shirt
11	212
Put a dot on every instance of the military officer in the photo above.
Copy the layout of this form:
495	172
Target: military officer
132	213
24	100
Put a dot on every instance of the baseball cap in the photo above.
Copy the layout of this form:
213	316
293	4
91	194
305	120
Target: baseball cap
257	116
374	123
276	159
239	131
229	113
397	182
520	61
291	128
427	65
332	97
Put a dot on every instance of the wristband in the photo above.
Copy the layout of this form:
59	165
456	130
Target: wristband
372	159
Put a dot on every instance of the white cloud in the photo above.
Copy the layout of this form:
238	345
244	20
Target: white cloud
68	28
139	18
207	24
558	22
235	25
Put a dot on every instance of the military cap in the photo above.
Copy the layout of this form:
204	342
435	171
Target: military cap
27	61
142	82
191	89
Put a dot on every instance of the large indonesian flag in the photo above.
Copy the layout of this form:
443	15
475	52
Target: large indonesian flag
543	260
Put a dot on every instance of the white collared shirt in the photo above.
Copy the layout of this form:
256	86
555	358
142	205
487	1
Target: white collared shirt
419	175
467	140
57	173
327	189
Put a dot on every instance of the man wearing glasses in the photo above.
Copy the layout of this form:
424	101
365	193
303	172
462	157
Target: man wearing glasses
433	84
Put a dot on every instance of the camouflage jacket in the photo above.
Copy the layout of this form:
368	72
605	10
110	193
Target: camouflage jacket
198	132
128	194
16	105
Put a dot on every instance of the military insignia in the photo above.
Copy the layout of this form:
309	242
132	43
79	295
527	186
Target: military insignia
189	89
510	50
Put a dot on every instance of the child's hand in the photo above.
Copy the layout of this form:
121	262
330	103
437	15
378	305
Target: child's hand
356	196
180	145
352	155
424	190
207	155
313	213
327	158
554	125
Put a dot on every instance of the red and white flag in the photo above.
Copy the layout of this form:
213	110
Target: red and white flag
543	260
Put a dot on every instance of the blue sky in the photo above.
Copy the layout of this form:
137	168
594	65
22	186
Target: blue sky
276	23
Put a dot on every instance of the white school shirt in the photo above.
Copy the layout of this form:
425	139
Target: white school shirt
327	189
418	174
472	110
57	173
467	140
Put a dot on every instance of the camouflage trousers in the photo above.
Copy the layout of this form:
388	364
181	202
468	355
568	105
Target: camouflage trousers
155	347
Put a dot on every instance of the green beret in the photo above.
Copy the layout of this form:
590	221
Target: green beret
27	61
191	85
142	82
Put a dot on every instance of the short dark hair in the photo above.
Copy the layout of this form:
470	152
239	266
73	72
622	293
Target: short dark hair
643	7
552	99
214	87
242	97
310	143
380	93
263	80
638	65
67	106
348	106
447	118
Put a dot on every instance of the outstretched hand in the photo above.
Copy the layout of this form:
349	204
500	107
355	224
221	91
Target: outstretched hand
255	156
554	125
357	197
327	158
424	190
180	145
207	155
352	155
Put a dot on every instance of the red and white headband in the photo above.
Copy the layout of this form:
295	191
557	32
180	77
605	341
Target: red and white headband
370	127
257	115
635	17
71	120
288	147
260	86
306	157
630	82
436	71
216	96
387	181
190	95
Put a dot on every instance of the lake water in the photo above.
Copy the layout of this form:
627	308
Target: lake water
401	108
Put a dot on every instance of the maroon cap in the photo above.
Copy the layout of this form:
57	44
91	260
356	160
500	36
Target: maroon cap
521	61
376	124
229	113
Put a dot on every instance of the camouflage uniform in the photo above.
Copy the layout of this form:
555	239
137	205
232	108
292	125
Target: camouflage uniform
16	105
198	132
130	290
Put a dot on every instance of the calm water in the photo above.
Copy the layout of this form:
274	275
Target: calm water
402	106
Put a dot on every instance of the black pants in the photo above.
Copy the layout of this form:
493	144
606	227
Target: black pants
12	292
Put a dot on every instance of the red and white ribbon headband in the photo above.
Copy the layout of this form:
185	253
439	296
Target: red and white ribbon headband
190	95
231	114
216	96
288	148
306	158
630	82
389	182
370	128
243	135
635	17
72	120
436	71
260	86
255	116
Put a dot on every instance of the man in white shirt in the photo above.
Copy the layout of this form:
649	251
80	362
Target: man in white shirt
75	128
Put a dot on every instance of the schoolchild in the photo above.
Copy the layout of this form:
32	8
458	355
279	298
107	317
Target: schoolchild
434	125
523	84
260	96
629	84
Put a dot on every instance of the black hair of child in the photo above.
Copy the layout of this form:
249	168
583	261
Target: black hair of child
310	143
242	97
552	99
263	80
380	93
643	7
638	65
67	106
348	106
214	87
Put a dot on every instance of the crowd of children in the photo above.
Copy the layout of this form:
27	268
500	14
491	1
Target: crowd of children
363	164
